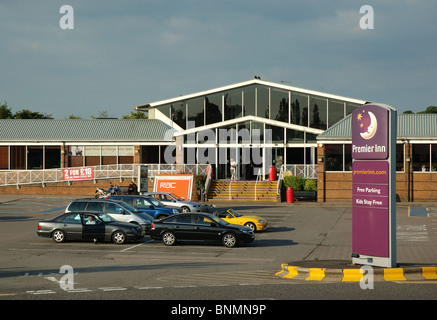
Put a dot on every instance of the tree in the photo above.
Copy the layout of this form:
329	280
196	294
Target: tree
5	111
430	109
135	115
27	114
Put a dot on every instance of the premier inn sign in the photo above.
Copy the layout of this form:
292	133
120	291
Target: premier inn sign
374	185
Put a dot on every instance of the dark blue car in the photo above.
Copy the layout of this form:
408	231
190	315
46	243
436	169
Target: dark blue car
148	205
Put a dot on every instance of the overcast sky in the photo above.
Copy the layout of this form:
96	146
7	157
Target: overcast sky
123	53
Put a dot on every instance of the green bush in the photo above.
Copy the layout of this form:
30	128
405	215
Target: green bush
310	185
294	182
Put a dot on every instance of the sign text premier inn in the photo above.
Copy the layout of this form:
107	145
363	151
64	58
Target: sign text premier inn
374	185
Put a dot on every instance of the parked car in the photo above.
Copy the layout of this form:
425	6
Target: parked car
170	199
255	223
118	210
88	226
201	227
149	205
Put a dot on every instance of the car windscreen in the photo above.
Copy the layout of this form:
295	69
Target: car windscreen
105	218
155	202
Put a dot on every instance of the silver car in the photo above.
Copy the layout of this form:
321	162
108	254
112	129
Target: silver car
172	200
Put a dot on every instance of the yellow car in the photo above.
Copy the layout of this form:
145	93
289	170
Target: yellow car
255	223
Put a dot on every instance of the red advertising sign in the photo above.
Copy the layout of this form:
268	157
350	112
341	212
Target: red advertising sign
179	184
78	173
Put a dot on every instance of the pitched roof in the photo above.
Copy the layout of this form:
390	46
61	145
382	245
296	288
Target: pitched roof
419	126
243	84
116	130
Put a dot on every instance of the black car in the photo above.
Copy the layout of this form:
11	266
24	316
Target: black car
88	226
202	227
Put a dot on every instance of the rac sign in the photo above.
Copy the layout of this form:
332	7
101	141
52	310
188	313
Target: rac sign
167	185
179	184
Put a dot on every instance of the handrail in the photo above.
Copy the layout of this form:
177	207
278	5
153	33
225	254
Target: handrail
257	179
280	179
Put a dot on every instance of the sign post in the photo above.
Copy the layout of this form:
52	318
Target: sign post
374	185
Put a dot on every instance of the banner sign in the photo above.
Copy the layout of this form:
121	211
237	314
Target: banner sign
78	173
179	184
374	185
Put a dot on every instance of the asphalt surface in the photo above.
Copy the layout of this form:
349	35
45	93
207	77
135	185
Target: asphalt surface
305	235
416	236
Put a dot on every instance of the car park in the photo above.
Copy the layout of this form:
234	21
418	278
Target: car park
200	227
118	210
149	205
256	223
170	199
88	226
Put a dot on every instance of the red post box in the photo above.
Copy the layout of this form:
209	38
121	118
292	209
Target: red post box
272	173
290	195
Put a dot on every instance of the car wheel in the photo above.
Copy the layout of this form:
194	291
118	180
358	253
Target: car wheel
185	209
250	225
229	240
161	216
118	237
168	238
58	236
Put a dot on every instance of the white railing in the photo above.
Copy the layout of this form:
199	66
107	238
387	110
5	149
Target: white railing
307	171
114	171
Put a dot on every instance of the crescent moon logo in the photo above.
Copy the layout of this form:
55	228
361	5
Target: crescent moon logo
368	125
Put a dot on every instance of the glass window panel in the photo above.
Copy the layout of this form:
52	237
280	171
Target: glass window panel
213	108
311	138
299	109
434	157
333	157
227	134
233	104
295	155
421	157
196	112
52	157
244	132
351	107
347	157
318	112
277	133
294	136
179	114
34	157
263	102
279	105
335	111
165	109
249	101
399	157
257	134
4	157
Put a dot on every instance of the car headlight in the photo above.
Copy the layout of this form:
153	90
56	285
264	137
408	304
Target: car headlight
260	221
248	231
175	211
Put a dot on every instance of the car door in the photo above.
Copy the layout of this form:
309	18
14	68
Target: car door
182	227
145	206
117	212
205	229
92	227
72	226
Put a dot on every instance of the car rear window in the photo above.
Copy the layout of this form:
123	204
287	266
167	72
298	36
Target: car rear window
77	206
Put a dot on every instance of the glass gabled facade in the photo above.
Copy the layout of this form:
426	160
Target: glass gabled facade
253	123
